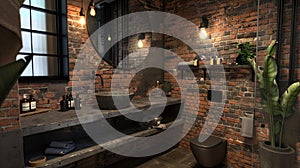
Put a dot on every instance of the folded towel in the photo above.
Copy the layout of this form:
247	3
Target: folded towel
62	144
247	127
58	151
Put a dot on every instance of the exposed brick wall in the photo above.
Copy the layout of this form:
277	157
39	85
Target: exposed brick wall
9	111
231	23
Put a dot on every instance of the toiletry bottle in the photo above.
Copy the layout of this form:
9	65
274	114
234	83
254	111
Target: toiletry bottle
25	104
215	61
211	62
70	101
196	62
32	103
218	60
64	104
77	102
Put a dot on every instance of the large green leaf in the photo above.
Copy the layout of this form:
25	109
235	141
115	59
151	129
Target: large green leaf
288	99
270	69
10	74
269	83
277	127
272	48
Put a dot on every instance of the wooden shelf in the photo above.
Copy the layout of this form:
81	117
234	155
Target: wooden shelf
86	148
184	66
39	110
54	119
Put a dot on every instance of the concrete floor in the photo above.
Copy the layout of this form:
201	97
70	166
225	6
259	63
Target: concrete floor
175	158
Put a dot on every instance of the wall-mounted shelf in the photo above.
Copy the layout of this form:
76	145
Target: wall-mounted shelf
86	147
54	119
184	66
40	129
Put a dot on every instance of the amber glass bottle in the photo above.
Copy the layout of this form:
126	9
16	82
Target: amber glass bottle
32	103
25	104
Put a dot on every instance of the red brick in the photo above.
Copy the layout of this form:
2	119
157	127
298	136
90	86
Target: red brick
6	104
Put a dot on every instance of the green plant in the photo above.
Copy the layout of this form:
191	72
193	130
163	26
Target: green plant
167	87
245	53
11	72
278	108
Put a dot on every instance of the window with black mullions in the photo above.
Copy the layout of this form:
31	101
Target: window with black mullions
44	35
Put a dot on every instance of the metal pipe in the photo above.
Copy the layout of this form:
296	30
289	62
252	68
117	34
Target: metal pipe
100	76
293	42
279	36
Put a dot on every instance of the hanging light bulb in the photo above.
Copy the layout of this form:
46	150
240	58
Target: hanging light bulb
81	14
140	44
140	40
92	8
203	34
109	37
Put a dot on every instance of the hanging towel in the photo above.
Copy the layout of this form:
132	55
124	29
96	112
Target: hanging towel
247	127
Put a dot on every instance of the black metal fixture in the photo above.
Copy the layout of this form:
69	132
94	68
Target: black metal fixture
141	37
81	14
203	25
92	8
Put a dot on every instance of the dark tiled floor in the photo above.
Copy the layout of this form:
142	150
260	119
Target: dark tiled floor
175	158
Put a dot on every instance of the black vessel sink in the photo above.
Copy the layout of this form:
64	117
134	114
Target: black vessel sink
113	101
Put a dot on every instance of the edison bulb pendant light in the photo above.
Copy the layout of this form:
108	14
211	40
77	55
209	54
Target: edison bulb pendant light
140	44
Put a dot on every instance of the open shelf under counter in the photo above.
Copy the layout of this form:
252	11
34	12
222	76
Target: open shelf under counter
86	147
53	120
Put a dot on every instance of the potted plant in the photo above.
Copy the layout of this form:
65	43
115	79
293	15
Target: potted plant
245	53
12	72
167	88
274	153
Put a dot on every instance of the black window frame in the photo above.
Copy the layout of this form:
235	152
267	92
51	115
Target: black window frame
62	43
108	12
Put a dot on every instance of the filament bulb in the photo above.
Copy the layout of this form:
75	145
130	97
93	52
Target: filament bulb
92	11
140	44
82	20
203	34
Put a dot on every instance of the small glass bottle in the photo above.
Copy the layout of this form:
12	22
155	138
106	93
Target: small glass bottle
64	104
77	102
25	104
70	101
215	61
196	62
32	103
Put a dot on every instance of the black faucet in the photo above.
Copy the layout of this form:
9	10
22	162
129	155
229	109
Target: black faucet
100	78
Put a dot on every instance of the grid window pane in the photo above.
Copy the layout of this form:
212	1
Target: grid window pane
44	44
44	4
41	36
43	21
28	70
26	2
26	40
25	18
45	66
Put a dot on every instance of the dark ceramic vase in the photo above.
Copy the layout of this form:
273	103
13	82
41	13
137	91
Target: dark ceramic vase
271	157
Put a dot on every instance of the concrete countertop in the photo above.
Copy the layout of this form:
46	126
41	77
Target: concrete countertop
55	119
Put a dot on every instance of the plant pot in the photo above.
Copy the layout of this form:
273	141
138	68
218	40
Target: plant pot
271	157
